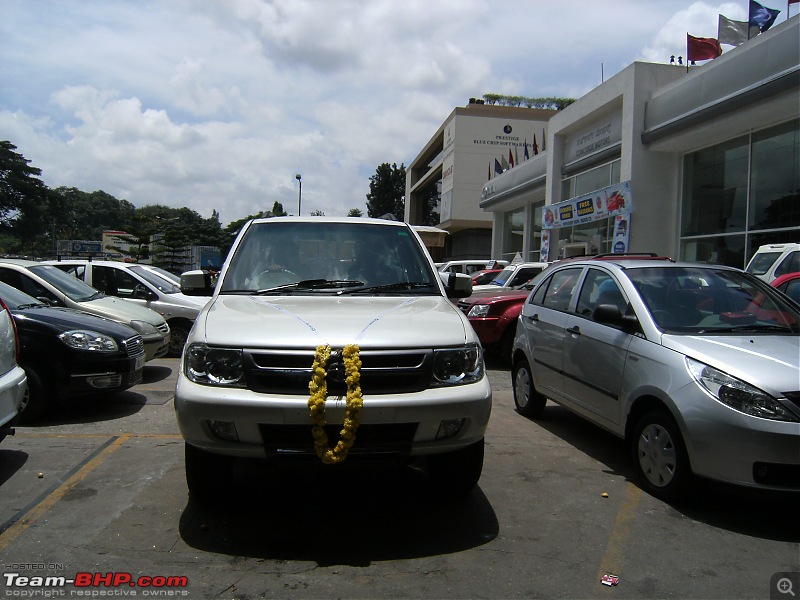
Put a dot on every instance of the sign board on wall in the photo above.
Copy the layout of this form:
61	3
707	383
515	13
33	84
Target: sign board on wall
594	138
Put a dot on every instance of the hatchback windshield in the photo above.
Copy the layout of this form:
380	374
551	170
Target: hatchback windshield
70	286
328	257
710	300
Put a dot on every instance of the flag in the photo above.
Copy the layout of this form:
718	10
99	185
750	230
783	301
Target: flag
701	48
793	2
761	16
535	146
505	163
498	168
510	159
525	154
516	155
490	172
734	33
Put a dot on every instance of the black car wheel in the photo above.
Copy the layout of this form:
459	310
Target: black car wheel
660	456
528	401
37	398
177	340
455	474
208	476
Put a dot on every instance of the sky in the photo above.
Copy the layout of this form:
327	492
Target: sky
218	104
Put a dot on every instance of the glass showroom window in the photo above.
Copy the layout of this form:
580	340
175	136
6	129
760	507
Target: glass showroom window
741	194
535	229
599	233
513	226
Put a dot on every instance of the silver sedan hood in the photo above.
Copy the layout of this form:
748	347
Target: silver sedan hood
769	362
308	321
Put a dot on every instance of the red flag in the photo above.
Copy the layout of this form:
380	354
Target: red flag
793	1
510	158
535	146
702	48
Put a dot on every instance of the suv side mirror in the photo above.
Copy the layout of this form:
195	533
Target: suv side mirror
197	283
457	285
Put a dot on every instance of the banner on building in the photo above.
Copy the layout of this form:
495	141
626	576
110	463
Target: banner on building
602	204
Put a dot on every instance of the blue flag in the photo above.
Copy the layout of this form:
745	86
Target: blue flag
497	167
761	16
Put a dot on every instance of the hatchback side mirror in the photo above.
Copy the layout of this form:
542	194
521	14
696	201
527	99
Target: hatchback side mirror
610	314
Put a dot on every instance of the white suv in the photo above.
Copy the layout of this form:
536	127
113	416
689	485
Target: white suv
327	339
145	285
13	382
773	260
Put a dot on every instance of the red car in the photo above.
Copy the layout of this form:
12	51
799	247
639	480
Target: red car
484	276
789	284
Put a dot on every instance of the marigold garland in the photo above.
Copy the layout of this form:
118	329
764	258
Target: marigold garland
319	393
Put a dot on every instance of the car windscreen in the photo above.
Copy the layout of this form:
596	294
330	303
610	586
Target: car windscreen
70	286
503	276
761	262
318	257
707	299
163	285
15	298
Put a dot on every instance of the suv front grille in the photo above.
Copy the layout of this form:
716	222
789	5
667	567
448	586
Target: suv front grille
382	371
134	346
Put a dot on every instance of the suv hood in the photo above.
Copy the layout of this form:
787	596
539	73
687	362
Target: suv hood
304	321
121	310
770	362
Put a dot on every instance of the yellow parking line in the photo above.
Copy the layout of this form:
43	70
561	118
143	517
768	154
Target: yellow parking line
613	558
28	515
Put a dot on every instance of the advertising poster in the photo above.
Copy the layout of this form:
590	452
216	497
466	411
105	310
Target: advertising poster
601	204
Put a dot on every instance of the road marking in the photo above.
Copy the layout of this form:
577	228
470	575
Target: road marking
27	516
613	558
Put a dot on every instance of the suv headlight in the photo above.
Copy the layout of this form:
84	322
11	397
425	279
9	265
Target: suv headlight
214	366
85	339
457	366
737	394
478	310
144	328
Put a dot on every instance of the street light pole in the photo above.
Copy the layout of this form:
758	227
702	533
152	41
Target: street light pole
299	192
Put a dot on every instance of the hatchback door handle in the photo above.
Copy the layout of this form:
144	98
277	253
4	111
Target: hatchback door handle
534	318
576	330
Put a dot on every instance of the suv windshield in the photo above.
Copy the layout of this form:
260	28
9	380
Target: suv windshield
762	262
70	286
710	300
162	284
285	257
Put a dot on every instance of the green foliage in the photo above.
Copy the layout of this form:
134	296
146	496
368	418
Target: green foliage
355	212
387	189
550	102
277	210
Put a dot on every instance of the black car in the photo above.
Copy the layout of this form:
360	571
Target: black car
66	352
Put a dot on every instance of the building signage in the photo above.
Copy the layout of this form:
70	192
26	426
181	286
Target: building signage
597	137
79	247
602	204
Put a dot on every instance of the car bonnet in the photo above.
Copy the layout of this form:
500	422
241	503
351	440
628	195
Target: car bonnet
770	362
121	310
306	321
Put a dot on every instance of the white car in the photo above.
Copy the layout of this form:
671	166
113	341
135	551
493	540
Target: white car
13	382
327	339
471	266
513	276
52	285
773	260
145	285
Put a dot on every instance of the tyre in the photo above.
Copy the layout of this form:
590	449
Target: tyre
455	474
507	342
37	399
208	476
660	457
177	340
528	401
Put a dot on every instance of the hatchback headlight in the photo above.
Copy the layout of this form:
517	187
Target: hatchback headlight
214	366
737	394
478	310
457	366
85	339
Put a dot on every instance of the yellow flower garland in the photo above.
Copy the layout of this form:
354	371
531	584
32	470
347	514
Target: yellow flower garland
319	393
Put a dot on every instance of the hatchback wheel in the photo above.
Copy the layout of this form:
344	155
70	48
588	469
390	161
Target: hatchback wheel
528	401
660	457
208	476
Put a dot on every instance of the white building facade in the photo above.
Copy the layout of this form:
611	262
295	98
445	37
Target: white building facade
700	163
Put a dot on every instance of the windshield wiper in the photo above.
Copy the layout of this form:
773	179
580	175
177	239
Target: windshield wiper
310	284
750	327
390	287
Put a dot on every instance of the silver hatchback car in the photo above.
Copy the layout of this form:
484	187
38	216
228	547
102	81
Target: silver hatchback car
696	366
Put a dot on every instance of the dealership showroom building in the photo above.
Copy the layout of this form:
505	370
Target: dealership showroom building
700	163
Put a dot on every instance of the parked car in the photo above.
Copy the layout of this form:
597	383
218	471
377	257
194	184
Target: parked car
331	305
50	284
145	285
484	276
68	353
13	382
773	260
695	366
789	284
471	266
513	276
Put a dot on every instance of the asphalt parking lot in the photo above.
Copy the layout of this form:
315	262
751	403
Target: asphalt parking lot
97	495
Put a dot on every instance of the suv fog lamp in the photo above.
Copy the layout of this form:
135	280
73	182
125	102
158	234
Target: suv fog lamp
457	366
214	366
739	395
449	427
224	430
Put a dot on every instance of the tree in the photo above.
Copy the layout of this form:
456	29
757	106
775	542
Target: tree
317	213
277	210
23	200
387	189
355	212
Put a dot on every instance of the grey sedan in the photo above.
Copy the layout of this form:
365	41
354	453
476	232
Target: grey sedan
696	366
